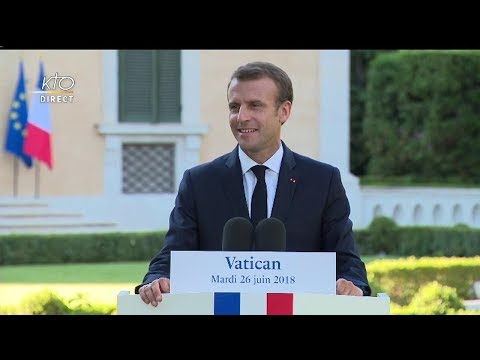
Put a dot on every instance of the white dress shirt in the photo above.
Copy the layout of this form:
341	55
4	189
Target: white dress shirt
271	177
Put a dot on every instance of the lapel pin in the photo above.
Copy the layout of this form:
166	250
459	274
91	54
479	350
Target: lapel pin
292	180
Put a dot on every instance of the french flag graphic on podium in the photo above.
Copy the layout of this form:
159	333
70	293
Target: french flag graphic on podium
38	143
253	304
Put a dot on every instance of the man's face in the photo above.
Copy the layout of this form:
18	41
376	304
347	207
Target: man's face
255	120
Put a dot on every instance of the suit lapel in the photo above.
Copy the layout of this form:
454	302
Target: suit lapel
233	185
287	182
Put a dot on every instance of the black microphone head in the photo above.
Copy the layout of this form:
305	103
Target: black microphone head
270	235
237	235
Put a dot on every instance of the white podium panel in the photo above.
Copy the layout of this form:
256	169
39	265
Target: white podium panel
255	304
318	304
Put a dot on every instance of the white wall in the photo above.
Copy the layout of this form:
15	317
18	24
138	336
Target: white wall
421	205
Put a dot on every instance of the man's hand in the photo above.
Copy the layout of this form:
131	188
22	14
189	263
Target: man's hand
345	287
152	293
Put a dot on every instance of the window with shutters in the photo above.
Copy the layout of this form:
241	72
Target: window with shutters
152	124
149	86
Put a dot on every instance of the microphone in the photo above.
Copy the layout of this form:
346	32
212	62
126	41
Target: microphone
237	235
270	235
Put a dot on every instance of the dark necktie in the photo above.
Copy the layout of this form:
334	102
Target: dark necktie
259	197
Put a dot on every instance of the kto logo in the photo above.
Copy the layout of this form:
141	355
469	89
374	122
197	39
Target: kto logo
57	89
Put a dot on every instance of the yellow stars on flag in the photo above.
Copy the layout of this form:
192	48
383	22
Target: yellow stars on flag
17	121
17	125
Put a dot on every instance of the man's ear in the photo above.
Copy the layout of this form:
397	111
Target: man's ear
286	109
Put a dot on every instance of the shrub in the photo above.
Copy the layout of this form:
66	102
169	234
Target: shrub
401	278
381	232
80	305
436	299
47	302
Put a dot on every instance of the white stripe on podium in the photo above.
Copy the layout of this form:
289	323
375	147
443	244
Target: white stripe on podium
253	304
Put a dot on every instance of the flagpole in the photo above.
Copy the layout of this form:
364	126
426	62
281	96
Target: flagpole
15	177
37	178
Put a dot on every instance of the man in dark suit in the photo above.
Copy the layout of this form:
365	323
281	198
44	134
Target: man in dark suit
307	195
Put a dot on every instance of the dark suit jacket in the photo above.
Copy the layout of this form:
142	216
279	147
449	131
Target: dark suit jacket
313	207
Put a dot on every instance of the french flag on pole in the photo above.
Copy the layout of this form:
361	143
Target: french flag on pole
38	143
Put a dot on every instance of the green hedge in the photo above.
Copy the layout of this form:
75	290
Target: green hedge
422	112
384	237
79	248
402	278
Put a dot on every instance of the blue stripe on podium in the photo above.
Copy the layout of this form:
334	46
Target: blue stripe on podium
226	304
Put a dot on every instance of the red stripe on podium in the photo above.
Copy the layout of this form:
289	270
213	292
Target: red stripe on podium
279	304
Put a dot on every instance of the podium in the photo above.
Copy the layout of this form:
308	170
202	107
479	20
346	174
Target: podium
255	304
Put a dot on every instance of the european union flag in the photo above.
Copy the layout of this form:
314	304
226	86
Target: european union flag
17	121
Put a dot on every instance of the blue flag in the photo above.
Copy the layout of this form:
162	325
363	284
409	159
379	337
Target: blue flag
17	121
